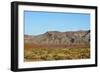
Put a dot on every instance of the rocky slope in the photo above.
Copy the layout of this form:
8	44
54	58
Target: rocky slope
59	38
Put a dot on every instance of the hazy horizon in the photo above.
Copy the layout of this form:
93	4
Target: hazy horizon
40	22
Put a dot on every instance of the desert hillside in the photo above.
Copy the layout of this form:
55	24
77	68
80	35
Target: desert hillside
55	45
59	39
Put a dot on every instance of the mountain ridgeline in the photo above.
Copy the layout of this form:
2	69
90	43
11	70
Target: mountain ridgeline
59	39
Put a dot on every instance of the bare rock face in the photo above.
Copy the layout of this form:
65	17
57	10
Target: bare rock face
59	38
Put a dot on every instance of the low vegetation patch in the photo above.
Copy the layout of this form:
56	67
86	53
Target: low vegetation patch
44	54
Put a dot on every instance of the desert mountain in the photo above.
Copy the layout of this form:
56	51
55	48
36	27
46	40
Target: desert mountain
52	38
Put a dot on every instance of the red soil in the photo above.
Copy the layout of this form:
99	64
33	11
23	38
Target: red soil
30	46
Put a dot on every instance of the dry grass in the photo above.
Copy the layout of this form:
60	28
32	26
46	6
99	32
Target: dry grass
44	54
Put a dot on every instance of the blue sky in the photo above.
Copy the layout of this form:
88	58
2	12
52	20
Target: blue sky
36	23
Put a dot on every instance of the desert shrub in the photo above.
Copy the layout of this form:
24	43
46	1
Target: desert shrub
44	54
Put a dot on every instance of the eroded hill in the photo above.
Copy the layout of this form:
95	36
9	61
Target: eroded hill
58	39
